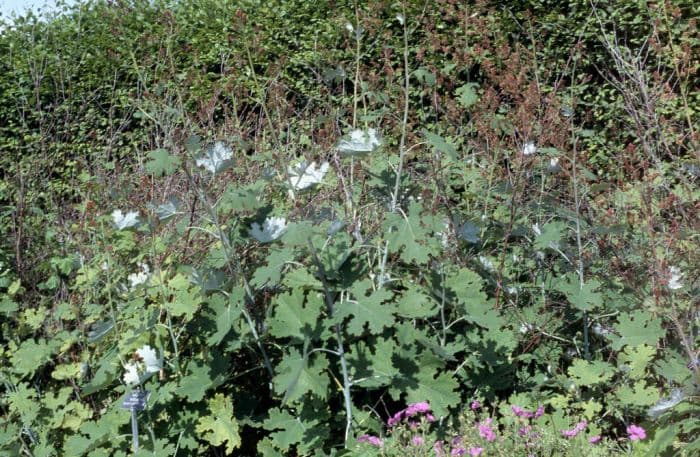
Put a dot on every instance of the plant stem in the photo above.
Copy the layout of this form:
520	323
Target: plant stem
339	338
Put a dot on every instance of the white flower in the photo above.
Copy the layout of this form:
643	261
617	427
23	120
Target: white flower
359	142
131	375
529	148
399	17
536	228
150	358
665	404
675	281
216	157
124	221
601	330
136	279
487	264
526	328
147	364
272	228
303	175
349	27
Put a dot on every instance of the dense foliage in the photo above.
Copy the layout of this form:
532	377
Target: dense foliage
351	228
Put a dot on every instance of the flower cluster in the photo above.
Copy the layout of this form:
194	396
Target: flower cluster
411	411
578	428
146	363
370	439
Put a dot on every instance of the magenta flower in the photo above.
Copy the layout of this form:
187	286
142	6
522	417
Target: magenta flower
595	439
524	430
417	408
540	411
486	432
373	440
578	428
520	412
636	433
395	419
410	411
475	405
439	449
474	451
458	451
417	440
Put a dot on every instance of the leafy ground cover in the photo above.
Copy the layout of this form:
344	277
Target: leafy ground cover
350	228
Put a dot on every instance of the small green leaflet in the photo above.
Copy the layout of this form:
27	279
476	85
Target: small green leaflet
366	307
195	384
467	95
162	163
582	298
296	375
31	355
635	359
293	318
550	235
415	304
292	429
185	297
585	373
370	362
270	273
440	144
168	209
226	312
221	426
638	395
635	328
409	235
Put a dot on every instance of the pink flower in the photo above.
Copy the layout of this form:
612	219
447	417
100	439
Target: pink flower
439	449
417	440
520	412
636	432
458	451
475	405
416	408
540	411
474	451
578	428
395	419
373	440
595	439
486	432
410	411
524	430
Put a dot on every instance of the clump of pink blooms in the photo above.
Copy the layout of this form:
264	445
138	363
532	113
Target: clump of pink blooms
373	440
485	430
413	410
636	433
578	428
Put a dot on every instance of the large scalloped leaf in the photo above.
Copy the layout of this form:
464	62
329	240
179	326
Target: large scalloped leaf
298	375
295	315
635	328
221	426
367	307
